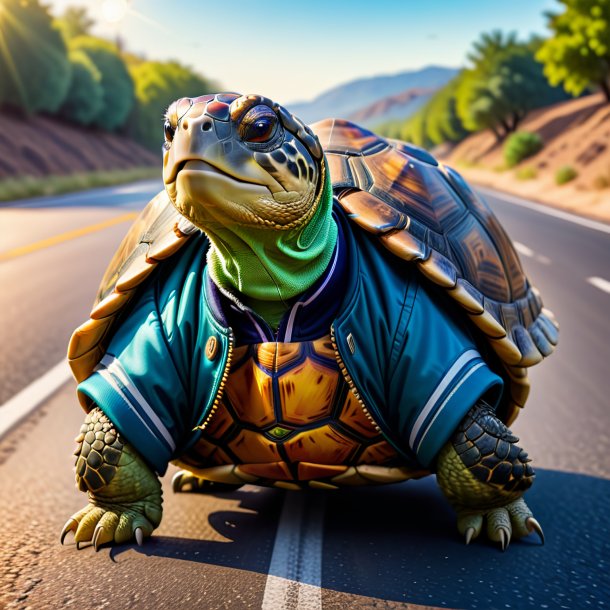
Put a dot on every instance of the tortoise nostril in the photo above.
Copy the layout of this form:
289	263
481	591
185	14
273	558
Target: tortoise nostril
206	126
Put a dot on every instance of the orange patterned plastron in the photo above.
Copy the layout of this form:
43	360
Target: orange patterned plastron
289	418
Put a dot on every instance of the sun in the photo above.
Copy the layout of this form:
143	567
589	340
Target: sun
114	11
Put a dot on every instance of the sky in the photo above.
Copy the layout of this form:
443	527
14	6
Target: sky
292	51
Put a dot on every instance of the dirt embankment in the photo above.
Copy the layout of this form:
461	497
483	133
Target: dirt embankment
576	133
40	146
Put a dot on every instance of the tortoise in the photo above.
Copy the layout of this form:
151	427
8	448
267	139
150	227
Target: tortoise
287	408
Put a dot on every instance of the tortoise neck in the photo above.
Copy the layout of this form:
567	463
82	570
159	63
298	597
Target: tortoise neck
268	268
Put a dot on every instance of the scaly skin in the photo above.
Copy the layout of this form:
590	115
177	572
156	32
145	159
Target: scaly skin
124	494
483	474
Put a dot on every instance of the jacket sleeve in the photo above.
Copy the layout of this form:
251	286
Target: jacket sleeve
439	375
138	385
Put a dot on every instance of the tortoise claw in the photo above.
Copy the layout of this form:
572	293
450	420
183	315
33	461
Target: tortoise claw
96	537
70	526
139	535
469	534
504	538
533	525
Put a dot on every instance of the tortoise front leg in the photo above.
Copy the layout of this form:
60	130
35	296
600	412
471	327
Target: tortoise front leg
124	494
484	474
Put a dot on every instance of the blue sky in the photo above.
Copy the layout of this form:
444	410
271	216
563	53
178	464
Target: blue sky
292	51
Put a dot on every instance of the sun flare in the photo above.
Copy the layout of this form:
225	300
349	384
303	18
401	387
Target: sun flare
114	11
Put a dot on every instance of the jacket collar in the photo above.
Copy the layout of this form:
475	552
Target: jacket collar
309	316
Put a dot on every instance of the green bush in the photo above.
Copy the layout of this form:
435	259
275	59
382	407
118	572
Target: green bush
526	173
565	174
520	146
85	95
117	86
34	67
157	85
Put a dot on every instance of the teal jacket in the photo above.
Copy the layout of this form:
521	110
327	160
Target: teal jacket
407	352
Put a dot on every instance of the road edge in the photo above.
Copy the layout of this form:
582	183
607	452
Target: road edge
544	208
17	408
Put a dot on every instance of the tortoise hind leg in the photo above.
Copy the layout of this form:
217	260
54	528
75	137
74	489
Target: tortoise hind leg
186	482
484	474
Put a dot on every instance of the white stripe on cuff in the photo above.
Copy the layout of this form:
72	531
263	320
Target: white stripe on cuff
111	381
457	387
116	370
445	382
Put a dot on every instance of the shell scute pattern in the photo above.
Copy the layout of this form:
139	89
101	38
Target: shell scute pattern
514	272
414	151
266	430
451	235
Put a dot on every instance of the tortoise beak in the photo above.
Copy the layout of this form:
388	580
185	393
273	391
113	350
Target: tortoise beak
197	150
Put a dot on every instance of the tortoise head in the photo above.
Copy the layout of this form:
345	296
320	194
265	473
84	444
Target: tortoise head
232	159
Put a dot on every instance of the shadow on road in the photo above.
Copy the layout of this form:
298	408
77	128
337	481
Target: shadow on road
406	548
249	545
399	543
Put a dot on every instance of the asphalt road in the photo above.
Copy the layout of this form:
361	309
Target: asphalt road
387	547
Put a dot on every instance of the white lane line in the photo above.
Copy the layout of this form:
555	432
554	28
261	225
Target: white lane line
83	197
599	282
549	211
523	249
24	402
295	572
133	188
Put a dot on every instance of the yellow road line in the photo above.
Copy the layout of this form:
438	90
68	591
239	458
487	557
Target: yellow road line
62	237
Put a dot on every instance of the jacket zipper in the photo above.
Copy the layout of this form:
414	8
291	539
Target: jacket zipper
348	379
221	386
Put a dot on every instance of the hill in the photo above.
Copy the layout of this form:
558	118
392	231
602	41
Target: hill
398	106
41	146
576	134
344	100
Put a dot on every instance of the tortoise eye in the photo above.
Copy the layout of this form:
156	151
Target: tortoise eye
258	125
259	131
169	131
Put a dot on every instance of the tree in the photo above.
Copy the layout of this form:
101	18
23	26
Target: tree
34	67
578	54
492	45
503	85
157	85
85	96
415	129
443	123
74	22
117	86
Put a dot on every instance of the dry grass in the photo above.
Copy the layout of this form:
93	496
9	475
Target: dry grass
576	134
36	186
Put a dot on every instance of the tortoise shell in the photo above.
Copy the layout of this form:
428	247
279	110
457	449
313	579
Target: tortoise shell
420	210
424	212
